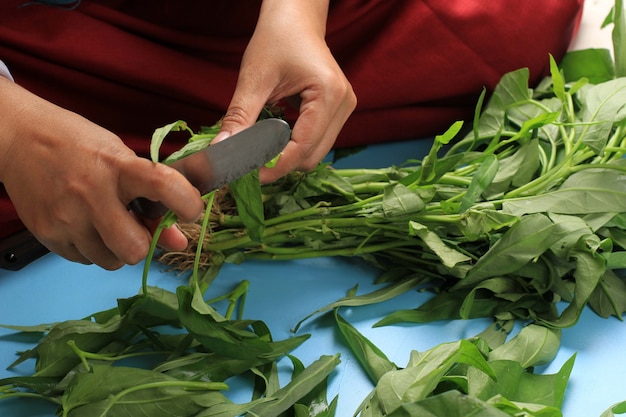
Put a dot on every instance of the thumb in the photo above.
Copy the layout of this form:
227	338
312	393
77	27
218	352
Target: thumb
243	111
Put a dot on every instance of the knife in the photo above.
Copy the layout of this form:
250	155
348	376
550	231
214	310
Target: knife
207	170
20	249
225	161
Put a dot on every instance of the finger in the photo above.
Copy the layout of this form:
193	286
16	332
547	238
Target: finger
158	182
312	137
171	238
68	251
122	234
93	248
86	249
246	104
323	113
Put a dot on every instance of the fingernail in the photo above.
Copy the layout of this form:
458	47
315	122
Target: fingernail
220	136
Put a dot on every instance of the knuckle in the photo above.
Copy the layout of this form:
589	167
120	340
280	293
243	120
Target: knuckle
308	165
351	98
345	91
236	115
306	159
134	254
163	177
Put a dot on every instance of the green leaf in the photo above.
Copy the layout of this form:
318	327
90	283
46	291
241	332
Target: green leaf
323	181
298	387
530	237
43	385
619	38
517	169
449	134
249	200
448	404
157	307
516	408
188	149
448	256
445	305
516	384
399	200
116	390
536	122
596	65
215	404
589	269
476	224
315	403
159	136
498	287
38	328
226	338
377	296
371	358
609	297
215	367
619	408
511	89
422	375
496	334
534	345
55	358
558	82
481	179
602	106
434	167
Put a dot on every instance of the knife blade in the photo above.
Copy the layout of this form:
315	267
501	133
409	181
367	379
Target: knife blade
225	161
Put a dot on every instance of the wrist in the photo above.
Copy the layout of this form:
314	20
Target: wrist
304	14
14	102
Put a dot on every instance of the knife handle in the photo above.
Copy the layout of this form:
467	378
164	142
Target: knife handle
147	209
20	249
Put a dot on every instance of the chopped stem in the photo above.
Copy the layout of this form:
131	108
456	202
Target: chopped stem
21	394
168	220
208	199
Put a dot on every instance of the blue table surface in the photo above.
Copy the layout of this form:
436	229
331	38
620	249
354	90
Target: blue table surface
281	294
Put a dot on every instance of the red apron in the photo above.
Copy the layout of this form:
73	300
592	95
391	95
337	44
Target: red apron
134	65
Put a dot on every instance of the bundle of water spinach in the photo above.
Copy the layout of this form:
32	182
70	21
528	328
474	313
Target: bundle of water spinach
520	219
522	212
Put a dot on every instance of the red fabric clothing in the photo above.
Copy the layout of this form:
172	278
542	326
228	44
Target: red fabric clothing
134	65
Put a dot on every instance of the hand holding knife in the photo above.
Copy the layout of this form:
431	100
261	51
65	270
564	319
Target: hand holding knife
207	170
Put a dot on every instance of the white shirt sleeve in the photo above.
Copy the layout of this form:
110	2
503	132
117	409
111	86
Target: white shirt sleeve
4	71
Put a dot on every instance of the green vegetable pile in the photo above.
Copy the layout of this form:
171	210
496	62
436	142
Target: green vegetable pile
524	211
519	217
168	354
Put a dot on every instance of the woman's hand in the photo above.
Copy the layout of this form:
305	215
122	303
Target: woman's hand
71	181
287	56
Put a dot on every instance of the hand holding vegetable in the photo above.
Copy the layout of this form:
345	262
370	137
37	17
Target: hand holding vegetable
288	56
70	181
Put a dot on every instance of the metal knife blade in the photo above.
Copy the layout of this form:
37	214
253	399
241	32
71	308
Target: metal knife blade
225	161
